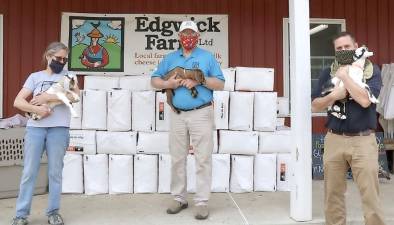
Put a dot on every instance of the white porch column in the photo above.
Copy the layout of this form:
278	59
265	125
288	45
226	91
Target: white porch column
300	76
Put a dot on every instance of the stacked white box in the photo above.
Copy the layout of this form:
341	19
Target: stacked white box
241	174
283	106
76	122
221	109
229	76
277	141
265	111
135	83
153	142
96	174
72	173
238	142
241	111
83	141
94	115
143	111
284	172
162	112
120	179
101	82
145	173
220	172
265	172
254	79
164	173
116	142
119	110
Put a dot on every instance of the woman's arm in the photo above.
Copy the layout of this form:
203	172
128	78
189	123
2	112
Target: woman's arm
21	103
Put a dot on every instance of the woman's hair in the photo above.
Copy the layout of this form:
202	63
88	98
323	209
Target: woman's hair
52	49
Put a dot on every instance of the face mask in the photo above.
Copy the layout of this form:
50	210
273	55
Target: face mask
188	42
345	57
56	66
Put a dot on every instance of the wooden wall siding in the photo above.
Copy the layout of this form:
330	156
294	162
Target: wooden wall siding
255	30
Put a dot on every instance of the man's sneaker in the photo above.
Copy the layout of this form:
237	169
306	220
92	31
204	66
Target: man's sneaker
201	212
55	219
19	221
176	207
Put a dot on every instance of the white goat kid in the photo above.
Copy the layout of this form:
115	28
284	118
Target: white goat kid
356	71
64	90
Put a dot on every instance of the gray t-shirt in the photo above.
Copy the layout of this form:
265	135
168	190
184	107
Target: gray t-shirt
39	82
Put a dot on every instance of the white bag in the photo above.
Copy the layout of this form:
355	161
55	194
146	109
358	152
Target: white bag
101	82
94	114
120	174
280	122
76	122
145	173
283	106
83	141
254	79
143	111
284	171
265	111
135	83
116	142
220	173
191	173
95	174
241	174
221	107
72	174
215	142
157	142
229	76
274	142
238	142
163	111
241	111
119	110
164	173
265	172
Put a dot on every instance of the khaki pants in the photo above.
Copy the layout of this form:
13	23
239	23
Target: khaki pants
361	154
199	125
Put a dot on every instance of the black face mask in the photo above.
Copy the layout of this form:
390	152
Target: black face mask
56	66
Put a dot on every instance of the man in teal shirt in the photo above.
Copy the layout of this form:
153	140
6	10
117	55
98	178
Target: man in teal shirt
195	120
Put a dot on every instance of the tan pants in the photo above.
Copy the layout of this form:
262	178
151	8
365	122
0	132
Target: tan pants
199	125
361	154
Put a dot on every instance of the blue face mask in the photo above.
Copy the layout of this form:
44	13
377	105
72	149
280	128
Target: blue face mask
56	66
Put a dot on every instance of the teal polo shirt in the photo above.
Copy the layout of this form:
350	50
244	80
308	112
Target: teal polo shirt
199	59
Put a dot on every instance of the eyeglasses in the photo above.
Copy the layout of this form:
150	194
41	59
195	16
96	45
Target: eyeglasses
61	59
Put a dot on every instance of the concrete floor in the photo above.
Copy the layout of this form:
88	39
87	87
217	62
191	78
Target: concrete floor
259	208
